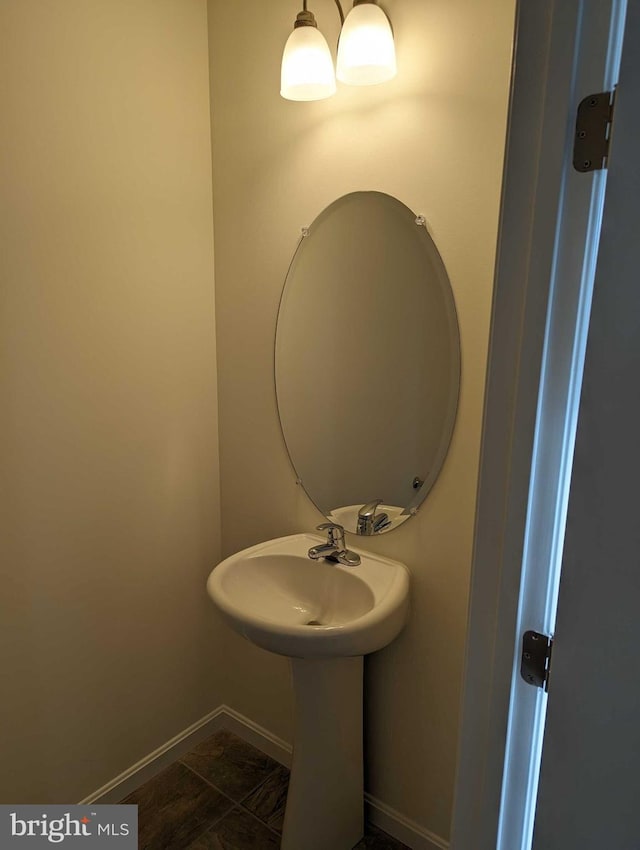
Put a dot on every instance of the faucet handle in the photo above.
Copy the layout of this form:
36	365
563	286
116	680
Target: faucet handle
369	510
335	533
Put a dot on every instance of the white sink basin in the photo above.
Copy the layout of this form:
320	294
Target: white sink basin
280	599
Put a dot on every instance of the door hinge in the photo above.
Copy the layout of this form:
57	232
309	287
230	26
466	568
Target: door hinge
535	662
593	131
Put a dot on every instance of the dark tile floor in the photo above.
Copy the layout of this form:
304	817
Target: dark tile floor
223	795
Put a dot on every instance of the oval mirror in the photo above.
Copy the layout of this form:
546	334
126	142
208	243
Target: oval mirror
367	362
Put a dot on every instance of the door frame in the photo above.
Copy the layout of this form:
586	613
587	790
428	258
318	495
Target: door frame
541	107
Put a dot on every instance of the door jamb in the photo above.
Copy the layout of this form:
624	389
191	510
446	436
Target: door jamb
541	100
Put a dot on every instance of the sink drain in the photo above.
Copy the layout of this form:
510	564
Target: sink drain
314	623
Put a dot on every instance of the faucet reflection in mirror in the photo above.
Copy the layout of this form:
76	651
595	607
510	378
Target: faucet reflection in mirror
366	53
370	522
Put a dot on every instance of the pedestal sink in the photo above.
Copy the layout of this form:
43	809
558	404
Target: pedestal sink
325	617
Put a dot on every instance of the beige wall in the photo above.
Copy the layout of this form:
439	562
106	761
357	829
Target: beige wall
434	138
109	515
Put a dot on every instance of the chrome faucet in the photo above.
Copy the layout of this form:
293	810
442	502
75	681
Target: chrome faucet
368	521
335	548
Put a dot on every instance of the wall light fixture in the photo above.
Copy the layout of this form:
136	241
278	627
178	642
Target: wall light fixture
366	53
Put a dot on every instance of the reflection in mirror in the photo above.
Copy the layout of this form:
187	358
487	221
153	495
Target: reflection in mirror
367	362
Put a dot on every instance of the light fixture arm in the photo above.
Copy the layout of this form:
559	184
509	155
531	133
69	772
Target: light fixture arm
338	4
339	7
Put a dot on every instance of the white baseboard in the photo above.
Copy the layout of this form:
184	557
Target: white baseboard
257	736
396	824
150	765
224	717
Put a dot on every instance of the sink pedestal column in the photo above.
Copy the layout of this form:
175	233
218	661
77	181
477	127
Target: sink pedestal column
325	800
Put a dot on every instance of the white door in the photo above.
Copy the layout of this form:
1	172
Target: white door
589	788
589	796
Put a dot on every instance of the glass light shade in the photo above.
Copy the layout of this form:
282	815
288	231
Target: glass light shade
307	67
366	52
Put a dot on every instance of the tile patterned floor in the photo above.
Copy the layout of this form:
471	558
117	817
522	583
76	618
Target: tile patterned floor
223	795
